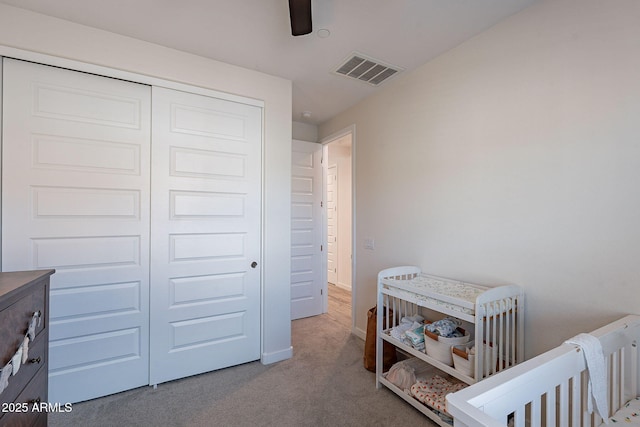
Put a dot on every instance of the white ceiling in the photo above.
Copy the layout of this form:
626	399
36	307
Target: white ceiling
256	34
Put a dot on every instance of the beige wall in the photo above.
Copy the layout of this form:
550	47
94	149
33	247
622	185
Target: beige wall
514	158
40	34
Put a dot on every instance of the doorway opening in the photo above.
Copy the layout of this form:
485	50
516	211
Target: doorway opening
339	230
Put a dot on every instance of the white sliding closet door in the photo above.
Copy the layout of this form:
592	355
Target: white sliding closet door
206	181
75	197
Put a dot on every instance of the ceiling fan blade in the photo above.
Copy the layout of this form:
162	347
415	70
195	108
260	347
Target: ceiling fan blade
300	14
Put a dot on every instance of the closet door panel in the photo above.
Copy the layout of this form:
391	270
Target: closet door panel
76	196
205	296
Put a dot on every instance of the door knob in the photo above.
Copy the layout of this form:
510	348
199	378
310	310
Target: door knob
254	264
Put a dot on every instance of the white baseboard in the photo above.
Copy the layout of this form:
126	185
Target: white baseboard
360	333
278	356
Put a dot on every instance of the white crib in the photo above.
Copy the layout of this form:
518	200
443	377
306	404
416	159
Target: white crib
551	389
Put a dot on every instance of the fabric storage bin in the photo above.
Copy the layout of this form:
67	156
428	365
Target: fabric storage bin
439	347
464	358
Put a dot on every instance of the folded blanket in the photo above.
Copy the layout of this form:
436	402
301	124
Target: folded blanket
597	384
432	391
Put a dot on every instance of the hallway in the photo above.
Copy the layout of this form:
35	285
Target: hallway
339	305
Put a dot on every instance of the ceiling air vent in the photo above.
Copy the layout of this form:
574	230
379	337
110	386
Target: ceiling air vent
366	69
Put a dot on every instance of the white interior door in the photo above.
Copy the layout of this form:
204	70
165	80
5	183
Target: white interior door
332	224
205	248
75	197
307	278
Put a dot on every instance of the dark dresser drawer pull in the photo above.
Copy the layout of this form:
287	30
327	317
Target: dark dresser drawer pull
36	360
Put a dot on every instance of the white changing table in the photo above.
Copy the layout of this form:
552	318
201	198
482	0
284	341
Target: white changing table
496	316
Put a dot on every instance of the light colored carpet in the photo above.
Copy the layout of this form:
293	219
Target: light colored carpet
324	384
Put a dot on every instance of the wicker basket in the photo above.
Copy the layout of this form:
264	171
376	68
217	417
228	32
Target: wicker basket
440	347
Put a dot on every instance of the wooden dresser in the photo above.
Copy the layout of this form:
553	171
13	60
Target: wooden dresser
24	298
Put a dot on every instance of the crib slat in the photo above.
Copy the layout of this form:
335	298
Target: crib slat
614	372
519	418
550	407
514	333
497	338
624	363
486	332
564	405
509	336
535	413
494	335
576	397
588	419
633	374
513	357
505	324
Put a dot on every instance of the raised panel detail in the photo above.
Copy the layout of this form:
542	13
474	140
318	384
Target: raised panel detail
91	351
96	300
204	289
302	243
301	290
63	202
302	237
206	164
207	331
86	252
192	205
301	264
65	103
85	155
301	211
302	185
189	247
212	123
302	159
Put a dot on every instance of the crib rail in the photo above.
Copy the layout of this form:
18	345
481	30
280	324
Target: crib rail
551	389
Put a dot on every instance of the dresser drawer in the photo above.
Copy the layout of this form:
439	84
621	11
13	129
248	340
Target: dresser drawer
21	295
15	321
36	360
20	414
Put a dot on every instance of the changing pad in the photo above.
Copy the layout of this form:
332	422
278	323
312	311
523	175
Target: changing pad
453	295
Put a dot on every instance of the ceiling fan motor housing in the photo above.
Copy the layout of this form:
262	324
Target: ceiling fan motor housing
300	14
